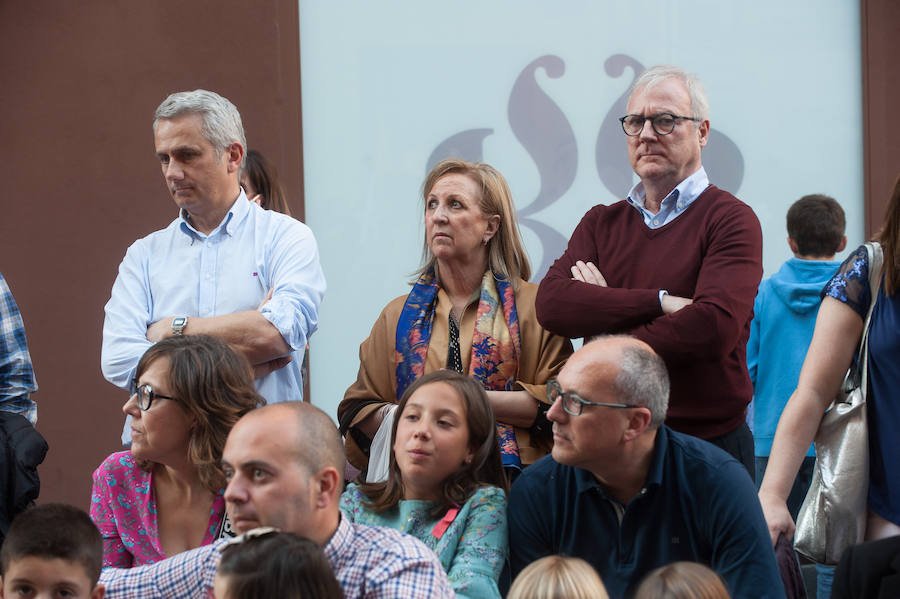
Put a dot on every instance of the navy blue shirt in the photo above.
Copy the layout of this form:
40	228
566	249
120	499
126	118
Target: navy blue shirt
698	504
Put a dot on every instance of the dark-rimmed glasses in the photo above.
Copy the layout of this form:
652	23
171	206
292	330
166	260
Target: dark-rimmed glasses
663	123
145	395
574	405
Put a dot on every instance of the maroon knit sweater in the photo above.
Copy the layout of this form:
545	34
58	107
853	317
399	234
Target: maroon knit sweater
712	253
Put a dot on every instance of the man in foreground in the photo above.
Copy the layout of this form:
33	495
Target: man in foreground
285	466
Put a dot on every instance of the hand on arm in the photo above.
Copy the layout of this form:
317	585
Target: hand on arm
709	326
671	304
248	332
838	328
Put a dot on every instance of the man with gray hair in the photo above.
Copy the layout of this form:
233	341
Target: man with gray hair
223	267
676	264
626	493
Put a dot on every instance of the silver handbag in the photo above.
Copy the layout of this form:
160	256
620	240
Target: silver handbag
833	515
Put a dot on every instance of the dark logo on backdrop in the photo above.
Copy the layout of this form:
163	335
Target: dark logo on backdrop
544	132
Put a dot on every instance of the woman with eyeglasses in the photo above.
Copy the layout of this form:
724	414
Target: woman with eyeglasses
165	495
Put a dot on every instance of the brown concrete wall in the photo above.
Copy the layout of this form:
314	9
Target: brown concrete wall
80	180
881	94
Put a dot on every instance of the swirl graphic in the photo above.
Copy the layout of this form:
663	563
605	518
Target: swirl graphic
544	132
610	153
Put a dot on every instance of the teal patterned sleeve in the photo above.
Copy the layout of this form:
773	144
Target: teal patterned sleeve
483	546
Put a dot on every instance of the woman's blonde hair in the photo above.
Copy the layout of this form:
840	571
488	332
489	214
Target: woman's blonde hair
558	577
506	254
682	580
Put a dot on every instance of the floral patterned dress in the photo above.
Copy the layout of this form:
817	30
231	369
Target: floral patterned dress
471	544
123	507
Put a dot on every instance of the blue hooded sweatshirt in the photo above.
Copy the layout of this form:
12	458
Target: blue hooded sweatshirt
784	316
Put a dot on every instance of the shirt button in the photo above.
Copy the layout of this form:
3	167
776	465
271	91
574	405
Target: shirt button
656	222
209	244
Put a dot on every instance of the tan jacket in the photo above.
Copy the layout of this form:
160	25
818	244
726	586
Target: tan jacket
542	356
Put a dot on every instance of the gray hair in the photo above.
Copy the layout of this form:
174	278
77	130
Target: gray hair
222	124
659	73
643	381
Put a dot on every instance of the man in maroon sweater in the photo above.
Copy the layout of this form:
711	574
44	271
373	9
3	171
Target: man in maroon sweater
676	264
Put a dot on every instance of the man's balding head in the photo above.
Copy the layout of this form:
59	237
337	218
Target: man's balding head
285	463
630	386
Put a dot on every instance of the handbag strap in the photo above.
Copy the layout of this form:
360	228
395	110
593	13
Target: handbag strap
875	257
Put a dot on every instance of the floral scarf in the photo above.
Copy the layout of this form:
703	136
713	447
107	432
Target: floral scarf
496	344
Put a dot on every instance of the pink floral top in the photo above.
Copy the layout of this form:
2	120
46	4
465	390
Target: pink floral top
123	507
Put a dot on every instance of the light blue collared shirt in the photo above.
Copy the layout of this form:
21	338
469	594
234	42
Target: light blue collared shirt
179	271
674	204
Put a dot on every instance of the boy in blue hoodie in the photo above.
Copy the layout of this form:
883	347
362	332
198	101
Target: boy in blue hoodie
784	316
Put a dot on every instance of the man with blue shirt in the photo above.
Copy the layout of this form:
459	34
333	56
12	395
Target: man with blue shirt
628	494
676	265
223	267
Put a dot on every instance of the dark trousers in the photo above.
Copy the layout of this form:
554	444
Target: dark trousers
739	443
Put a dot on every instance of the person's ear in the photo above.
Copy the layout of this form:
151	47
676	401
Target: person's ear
795	247
234	156
493	225
328	485
843	245
638	423
703	132
98	592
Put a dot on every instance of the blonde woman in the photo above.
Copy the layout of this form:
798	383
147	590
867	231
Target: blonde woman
682	580
558	577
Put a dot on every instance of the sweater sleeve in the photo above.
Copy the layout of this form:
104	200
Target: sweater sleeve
753	342
572	308
482	549
723	298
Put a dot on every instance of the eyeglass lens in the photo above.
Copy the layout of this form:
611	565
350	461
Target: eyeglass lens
662	124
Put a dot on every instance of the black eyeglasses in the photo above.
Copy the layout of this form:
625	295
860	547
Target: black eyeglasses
145	395
574	405
663	123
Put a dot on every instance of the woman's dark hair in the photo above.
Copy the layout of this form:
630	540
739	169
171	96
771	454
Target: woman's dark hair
213	385
264	178
486	467
277	564
889	237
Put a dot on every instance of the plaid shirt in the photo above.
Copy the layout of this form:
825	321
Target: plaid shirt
16	374
368	562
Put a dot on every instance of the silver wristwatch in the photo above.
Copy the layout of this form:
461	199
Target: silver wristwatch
178	324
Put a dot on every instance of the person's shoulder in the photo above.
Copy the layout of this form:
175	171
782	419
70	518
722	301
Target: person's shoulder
279	222
542	477
382	543
488	495
120	460
703	462
599	211
716	199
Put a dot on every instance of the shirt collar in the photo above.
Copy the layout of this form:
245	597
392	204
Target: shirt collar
678	200
235	216
586	481
340	541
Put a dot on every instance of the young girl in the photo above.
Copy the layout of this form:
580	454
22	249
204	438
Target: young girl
268	563
445	485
